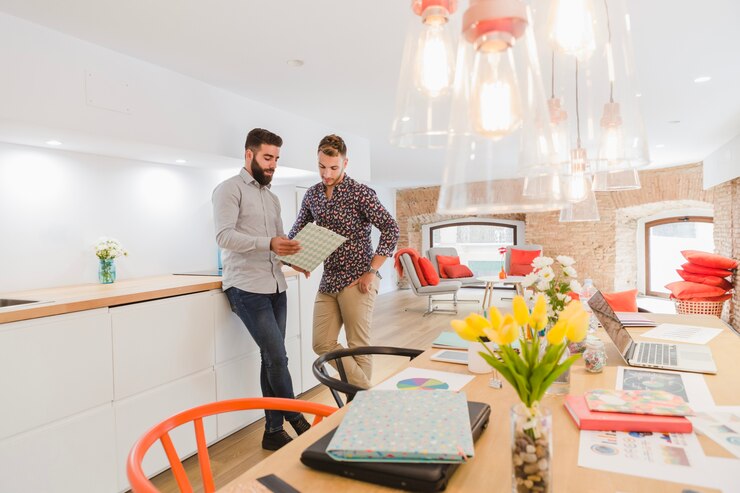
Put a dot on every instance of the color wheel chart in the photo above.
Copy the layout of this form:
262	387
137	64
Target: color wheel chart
422	384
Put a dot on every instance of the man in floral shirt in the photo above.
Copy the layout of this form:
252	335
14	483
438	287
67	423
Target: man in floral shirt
350	283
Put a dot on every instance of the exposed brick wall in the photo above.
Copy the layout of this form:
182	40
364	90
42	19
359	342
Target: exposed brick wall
611	264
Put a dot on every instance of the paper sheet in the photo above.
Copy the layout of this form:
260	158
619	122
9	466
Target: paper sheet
722	426
689	386
682	333
422	379
317	243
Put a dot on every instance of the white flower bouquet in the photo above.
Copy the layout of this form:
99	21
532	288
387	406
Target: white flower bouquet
555	281
109	248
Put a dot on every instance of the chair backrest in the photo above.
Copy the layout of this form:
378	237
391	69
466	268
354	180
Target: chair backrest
341	384
141	484
434	251
409	271
507	255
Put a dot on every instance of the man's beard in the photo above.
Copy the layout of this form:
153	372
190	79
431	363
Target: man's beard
259	174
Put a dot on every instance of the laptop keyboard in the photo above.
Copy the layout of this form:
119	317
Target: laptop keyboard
652	353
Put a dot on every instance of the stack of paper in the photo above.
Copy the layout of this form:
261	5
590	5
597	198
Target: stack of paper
400	426
450	340
631	319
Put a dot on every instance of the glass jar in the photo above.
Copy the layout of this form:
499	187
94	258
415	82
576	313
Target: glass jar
594	356
106	270
531	449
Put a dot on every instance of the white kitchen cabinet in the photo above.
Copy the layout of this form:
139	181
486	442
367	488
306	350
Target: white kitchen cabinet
308	289
157	342
232	338
135	415
53	367
72	455
235	379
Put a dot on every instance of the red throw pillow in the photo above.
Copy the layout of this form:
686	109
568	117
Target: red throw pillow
427	270
523	256
520	269
622	301
419	273
457	271
706	259
724	297
443	260
685	290
708	280
709	271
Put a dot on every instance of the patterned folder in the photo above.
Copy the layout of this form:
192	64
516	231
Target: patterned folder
317	243
657	402
402	426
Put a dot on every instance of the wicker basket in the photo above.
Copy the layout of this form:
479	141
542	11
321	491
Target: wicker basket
699	307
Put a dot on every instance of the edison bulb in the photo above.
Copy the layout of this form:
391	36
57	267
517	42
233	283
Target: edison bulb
611	143
433	66
496	103
579	184
571	27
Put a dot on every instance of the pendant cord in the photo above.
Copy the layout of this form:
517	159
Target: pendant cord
578	114
552	75
609	31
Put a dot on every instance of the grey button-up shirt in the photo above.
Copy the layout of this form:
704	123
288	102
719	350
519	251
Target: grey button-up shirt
247	217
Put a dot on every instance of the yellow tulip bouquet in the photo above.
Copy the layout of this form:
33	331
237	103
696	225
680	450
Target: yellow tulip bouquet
537	365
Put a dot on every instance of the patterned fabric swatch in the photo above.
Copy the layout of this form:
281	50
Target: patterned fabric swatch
401	426
657	402
317	243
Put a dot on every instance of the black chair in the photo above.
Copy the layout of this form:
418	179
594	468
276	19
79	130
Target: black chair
341	384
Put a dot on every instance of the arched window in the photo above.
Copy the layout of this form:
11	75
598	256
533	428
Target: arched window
664	241
477	241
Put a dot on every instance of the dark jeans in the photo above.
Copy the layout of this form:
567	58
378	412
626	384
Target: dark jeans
264	316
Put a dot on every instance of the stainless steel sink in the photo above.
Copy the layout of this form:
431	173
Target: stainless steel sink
5	302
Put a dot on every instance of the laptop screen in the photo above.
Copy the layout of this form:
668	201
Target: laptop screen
609	320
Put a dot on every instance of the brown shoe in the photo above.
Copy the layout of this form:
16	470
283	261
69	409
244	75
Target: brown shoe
300	425
275	440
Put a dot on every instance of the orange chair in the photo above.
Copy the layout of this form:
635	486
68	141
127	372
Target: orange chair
141	484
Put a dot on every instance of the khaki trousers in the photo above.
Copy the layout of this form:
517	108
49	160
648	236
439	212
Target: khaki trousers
355	310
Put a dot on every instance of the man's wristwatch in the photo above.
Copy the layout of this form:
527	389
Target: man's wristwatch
375	271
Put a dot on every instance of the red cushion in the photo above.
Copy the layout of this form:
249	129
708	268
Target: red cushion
443	260
457	271
703	279
724	297
707	259
622	301
709	271
685	290
427	270
523	256
520	269
419	273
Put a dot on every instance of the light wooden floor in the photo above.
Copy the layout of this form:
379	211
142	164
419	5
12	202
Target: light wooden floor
397	321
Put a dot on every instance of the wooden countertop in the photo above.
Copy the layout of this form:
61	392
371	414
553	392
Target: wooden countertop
68	299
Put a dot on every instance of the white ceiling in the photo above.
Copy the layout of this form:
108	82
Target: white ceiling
352	54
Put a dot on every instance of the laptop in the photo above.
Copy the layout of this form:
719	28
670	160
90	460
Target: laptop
669	356
405	476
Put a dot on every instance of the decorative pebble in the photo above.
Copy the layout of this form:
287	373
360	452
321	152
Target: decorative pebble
530	449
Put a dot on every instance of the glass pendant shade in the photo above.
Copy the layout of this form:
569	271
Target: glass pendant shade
585	210
500	137
603	108
426	78
570	27
614	181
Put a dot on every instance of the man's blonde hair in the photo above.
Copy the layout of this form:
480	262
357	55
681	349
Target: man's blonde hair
333	145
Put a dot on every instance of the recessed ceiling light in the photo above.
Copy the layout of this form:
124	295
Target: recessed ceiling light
704	78
405	119
660	146
53	143
638	95
180	161
295	63
675	122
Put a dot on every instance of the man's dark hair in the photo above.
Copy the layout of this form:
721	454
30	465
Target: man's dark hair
258	136
333	145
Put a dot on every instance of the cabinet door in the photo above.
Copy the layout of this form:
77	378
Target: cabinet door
232	338
72	455
293	348
308	289
293	324
53	367
135	415
157	342
236	379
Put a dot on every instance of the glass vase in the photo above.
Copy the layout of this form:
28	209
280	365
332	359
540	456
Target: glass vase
107	271
531	449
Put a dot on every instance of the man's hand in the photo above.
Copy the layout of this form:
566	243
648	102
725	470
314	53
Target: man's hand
281	245
364	282
304	272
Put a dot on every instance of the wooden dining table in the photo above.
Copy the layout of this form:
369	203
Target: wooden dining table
490	469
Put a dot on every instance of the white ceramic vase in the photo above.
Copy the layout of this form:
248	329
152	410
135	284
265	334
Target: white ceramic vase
476	363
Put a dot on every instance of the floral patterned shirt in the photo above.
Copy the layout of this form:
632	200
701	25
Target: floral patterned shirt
351	212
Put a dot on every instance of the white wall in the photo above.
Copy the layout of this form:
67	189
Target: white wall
55	204
723	164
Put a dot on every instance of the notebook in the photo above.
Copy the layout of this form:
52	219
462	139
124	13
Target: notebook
450	340
657	402
317	243
405	476
402	426
587	419
683	357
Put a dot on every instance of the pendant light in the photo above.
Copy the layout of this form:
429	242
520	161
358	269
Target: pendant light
583	211
427	74
578	182
617	180
500	141
570	28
